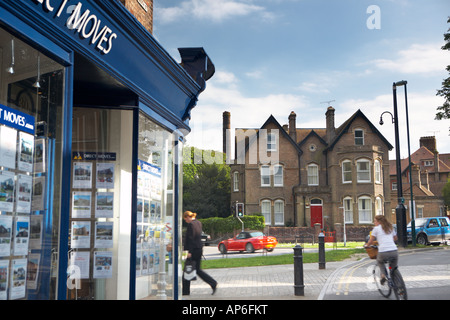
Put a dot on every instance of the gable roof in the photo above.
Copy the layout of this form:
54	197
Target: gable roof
417	157
346	125
269	120
312	133
272	119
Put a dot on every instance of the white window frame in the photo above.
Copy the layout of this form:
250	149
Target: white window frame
361	175
266	211
313	174
419	211
278	175
346	172
278	210
348	210
428	163
379	206
377	169
365	209
265	174
359	141
236	181
271	142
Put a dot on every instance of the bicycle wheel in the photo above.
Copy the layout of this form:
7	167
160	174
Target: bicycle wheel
399	285
384	288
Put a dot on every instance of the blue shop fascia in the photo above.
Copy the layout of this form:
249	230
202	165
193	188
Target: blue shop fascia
94	113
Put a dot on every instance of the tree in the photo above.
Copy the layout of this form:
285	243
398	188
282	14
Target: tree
446	194
206	186
444	110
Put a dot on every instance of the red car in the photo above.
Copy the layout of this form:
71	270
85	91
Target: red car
248	241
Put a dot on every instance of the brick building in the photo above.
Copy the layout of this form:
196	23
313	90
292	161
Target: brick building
142	10
430	172
299	176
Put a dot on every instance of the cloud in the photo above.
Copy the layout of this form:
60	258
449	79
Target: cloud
421	112
418	58
313	87
213	10
223	94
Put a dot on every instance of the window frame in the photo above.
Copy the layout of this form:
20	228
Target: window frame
278	213
365	172
278	174
378	171
379	206
346	172
271	142
359	141
236	181
265	175
266	204
311	176
363	212
348	210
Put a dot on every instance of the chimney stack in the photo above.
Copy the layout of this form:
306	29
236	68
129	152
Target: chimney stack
429	143
226	135
330	124
293	126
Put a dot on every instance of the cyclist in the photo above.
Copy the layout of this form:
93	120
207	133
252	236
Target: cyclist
385	235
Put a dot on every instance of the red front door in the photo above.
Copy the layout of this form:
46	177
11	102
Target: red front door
316	215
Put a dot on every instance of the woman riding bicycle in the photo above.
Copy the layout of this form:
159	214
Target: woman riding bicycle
385	235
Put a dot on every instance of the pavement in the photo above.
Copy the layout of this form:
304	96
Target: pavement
277	282
264	283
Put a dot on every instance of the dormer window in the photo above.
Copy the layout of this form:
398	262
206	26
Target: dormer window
429	163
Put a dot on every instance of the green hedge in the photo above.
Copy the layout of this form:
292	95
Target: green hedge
217	227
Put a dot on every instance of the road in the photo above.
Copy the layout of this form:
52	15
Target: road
211	252
426	274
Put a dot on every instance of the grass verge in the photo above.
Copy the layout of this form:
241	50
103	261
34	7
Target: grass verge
332	255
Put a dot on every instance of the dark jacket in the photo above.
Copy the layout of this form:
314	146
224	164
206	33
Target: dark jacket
193	236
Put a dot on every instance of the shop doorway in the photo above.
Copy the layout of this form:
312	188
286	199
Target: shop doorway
316	212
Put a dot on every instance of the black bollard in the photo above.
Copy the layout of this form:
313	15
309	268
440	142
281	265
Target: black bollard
321	251
299	287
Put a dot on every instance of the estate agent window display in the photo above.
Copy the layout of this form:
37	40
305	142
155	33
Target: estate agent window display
31	91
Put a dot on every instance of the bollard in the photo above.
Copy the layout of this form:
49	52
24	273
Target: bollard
299	287
321	251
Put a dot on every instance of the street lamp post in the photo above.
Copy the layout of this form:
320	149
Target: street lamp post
400	210
413	224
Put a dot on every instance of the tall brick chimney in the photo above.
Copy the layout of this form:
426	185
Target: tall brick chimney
226	134
429	143
330	124
142	10
293	126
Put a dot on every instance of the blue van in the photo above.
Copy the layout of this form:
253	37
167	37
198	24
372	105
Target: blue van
432	230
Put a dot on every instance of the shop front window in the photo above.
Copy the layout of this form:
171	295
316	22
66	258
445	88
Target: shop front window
155	247
101	193
31	129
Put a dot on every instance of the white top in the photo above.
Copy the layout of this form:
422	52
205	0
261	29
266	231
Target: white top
385	241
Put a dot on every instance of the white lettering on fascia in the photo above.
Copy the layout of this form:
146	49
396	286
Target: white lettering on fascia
47	5
87	25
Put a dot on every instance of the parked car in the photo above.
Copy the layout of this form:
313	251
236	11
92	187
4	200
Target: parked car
205	238
432	230
248	241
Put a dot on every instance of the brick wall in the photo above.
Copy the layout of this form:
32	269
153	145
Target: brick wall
309	234
142	10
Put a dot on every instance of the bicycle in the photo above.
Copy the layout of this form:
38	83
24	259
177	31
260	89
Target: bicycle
392	282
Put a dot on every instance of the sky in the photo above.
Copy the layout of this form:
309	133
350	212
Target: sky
272	57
